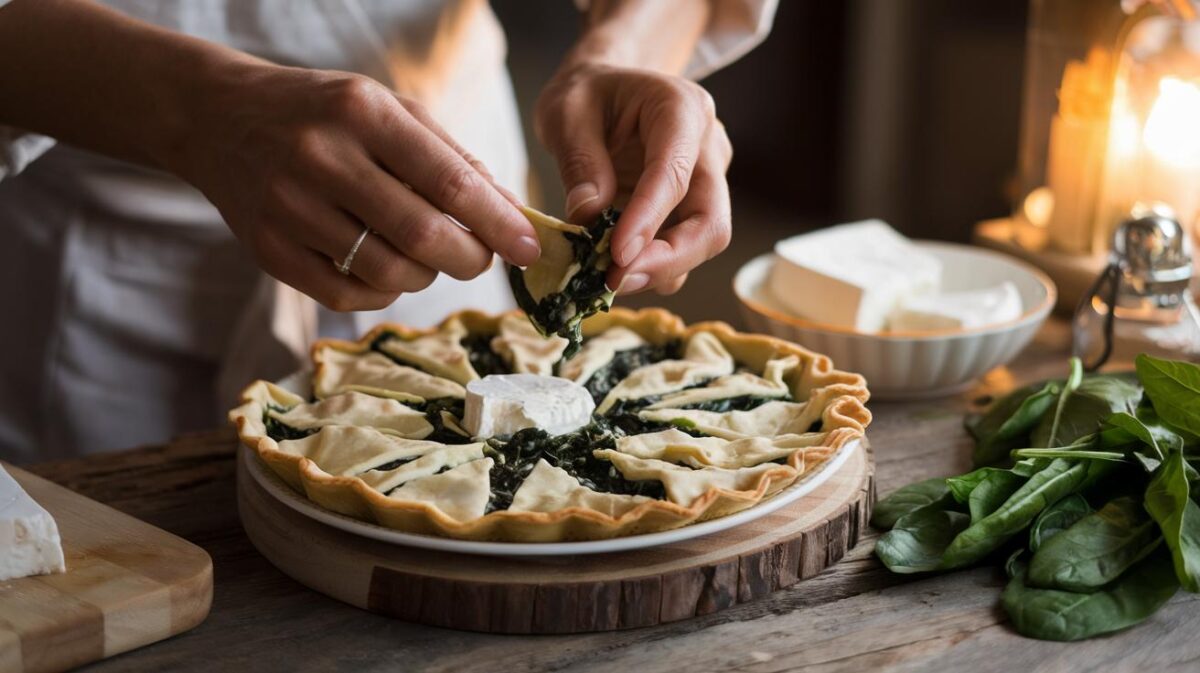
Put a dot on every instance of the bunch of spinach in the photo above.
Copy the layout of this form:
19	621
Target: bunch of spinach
1085	485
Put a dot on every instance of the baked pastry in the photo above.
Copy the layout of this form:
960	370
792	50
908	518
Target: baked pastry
689	424
567	283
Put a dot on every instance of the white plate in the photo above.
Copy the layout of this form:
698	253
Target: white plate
272	484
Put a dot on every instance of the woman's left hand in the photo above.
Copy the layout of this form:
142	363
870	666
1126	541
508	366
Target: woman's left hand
652	142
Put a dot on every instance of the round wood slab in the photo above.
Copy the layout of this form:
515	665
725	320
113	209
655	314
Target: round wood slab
568	594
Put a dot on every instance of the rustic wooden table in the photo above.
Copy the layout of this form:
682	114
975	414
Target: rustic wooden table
855	616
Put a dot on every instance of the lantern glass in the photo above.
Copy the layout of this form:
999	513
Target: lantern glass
1112	95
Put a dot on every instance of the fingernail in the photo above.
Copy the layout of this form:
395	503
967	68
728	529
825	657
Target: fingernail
525	251
634	282
630	251
579	196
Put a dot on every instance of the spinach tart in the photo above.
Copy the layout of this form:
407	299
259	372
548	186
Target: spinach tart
681	424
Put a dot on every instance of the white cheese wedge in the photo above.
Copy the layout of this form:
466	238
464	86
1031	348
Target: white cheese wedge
29	542
958	310
852	275
501	404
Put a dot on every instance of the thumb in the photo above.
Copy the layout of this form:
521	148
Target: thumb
589	180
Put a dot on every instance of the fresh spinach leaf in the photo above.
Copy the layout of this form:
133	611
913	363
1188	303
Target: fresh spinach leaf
908	499
1052	614
1016	563
1168	500
1096	550
1173	387
1056	518
992	492
1073	381
962	485
1072	453
1122	428
1007	424
919	539
1084	410
1060	478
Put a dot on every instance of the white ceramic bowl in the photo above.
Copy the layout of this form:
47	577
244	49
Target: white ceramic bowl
901	365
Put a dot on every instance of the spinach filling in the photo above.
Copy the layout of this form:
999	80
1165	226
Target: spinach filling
484	360
624	362
586	292
516	458
433	413
279	431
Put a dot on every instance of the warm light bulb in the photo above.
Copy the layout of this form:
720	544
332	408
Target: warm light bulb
1172	131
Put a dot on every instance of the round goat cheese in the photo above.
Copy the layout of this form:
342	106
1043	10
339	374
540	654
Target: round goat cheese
501	404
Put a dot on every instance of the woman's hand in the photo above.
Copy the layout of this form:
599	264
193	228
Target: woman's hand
652	142
300	161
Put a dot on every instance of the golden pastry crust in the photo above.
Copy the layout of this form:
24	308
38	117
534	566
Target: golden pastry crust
841	395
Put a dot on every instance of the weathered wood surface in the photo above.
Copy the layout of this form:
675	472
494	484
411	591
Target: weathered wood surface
600	592
854	616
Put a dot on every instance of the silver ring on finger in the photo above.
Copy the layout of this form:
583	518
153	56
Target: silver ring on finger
344	267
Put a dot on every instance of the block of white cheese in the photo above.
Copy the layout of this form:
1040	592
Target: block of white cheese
968	309
29	542
499	405
852	275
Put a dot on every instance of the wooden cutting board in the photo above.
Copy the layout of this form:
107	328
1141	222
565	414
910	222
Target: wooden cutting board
568	594
127	584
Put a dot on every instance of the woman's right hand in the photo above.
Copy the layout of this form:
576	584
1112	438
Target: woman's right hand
300	161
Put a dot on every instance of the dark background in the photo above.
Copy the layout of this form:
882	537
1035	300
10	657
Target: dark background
905	110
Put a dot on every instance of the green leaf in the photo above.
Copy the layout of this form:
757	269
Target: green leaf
1132	428
908	499
992	492
1086	408
1073	454
919	538
1030	466
1007	424
1059	479
1016	563
1053	614
1073	381
1168	500
1056	518
1096	550
1173	387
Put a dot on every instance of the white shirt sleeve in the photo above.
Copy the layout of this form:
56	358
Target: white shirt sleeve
734	28
19	148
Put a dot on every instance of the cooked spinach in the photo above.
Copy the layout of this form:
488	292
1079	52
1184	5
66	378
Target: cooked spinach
516	458
433	413
584	294
484	360
624	362
278	431
739	403
1102	438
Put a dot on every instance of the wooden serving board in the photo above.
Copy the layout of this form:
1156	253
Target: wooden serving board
568	594
127	584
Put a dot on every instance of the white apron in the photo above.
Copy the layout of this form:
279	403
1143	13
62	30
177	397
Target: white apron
131	312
